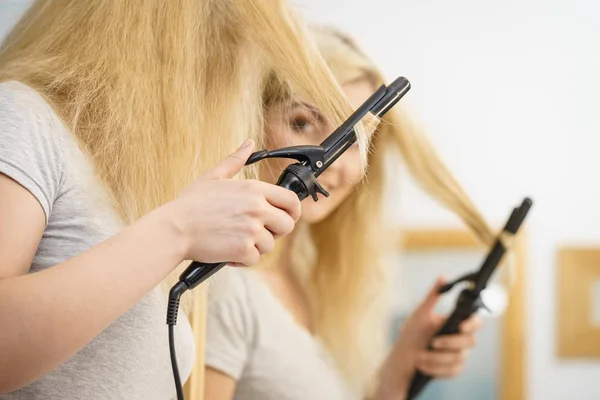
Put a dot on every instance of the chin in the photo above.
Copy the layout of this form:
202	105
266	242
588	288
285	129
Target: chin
315	212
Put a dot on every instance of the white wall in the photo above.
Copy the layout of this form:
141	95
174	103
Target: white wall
10	10
508	93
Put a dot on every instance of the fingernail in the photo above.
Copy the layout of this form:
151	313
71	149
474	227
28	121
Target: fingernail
246	143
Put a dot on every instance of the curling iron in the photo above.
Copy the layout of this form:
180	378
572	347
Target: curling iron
300	177
469	300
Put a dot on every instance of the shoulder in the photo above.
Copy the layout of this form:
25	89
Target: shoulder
232	306
19	98
31	137
230	287
24	112
231	323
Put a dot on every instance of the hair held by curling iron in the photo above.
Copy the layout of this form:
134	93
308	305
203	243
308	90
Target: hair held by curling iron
156	92
338	261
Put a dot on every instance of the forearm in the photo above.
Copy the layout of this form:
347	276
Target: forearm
46	317
394	375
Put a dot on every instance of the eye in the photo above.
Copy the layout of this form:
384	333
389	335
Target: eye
301	122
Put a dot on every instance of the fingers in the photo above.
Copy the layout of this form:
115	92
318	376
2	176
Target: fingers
278	210
454	342
471	325
232	164
465	339
283	199
278	222
440	358
249	254
255	240
432	297
442	364
265	242
450	352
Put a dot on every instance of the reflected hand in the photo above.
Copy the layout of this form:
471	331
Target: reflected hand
447	358
410	353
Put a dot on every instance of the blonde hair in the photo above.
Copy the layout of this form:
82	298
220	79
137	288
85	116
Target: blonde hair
346	279
156	92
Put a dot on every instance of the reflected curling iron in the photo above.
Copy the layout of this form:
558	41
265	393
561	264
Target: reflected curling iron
469	300
301	178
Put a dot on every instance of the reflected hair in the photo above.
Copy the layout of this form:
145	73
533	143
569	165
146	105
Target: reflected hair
346	277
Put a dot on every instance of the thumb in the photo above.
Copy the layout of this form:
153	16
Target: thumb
232	164
433	296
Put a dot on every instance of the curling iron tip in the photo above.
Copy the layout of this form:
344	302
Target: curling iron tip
400	84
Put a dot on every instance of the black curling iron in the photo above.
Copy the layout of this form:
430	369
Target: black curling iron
300	177
469	300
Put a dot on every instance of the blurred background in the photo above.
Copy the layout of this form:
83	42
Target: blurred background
507	92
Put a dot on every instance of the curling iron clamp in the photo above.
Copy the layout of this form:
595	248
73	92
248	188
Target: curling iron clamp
469	300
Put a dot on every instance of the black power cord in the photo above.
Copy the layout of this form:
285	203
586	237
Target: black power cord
172	310
174	363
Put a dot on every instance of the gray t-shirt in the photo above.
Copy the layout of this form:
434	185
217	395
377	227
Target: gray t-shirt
255	340
130	358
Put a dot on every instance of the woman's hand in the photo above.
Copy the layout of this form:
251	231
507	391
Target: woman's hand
410	353
223	219
447	358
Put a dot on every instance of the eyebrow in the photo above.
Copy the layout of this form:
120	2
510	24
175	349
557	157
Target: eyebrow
311	108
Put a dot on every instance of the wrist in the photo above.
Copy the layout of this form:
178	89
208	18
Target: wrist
171	223
396	372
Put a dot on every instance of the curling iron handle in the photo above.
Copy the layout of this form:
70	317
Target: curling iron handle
466	306
198	272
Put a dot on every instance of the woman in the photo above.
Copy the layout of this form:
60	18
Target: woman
110	111
310	324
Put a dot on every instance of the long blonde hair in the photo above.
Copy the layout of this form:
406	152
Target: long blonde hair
155	91
346	279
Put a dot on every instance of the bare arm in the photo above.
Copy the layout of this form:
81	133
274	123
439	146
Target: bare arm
48	316
218	386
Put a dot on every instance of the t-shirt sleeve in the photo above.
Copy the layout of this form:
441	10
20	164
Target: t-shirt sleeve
30	149
230	328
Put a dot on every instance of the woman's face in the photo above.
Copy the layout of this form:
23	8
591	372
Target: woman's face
299	124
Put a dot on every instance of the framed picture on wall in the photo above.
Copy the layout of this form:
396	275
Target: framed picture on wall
578	302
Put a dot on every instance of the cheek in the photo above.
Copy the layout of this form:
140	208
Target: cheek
354	173
351	171
313	212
